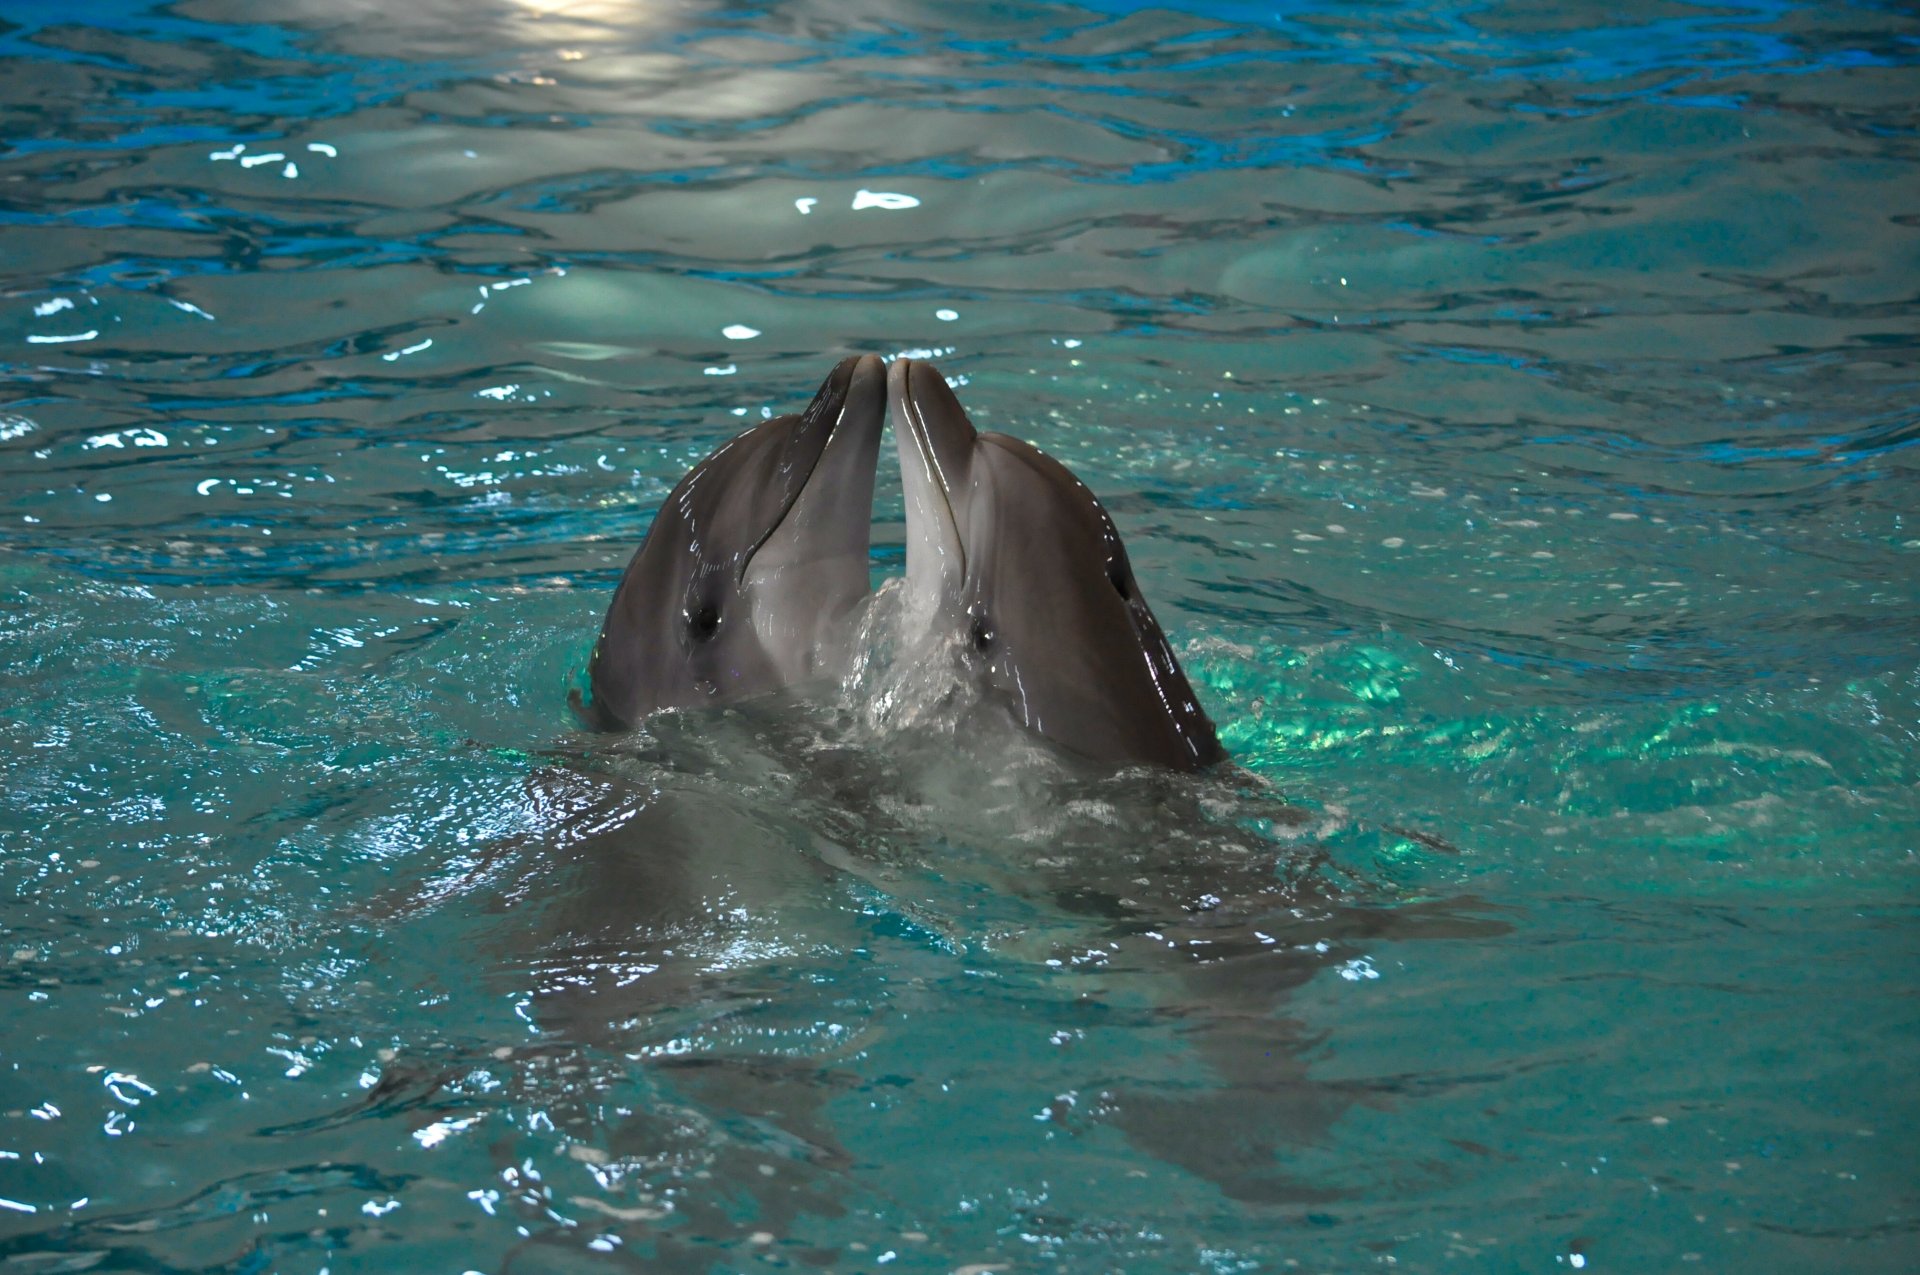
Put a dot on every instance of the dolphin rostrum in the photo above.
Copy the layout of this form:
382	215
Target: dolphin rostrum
1011	555
750	577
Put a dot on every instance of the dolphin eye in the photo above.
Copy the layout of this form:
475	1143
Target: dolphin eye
704	622
980	634
1118	579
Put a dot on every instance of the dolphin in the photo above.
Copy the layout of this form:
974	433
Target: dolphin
1012	557
755	567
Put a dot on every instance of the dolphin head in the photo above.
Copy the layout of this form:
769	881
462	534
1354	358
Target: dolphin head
749	576
1012	556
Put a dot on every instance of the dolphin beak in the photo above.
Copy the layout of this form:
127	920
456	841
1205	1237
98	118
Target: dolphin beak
942	437
831	455
936	442
857	412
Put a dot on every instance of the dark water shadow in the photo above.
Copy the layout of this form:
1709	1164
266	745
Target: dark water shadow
684	879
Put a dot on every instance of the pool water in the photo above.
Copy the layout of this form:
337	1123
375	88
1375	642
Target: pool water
1512	415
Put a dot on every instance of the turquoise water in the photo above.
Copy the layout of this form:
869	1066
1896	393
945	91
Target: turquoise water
1511	412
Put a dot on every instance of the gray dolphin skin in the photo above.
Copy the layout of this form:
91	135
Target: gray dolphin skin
750	576
1011	554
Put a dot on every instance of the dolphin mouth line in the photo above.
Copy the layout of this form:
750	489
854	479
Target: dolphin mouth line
834	433
923	445
799	489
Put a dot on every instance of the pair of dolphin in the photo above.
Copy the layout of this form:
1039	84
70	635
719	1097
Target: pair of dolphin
756	566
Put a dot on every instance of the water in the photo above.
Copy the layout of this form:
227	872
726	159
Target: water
1511	413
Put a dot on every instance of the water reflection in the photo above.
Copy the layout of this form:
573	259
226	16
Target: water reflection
667	924
1510	413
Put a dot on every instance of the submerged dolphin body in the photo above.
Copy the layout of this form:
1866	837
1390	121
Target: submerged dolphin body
753	568
1010	553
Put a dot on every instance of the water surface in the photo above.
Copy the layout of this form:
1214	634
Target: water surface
1511	415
